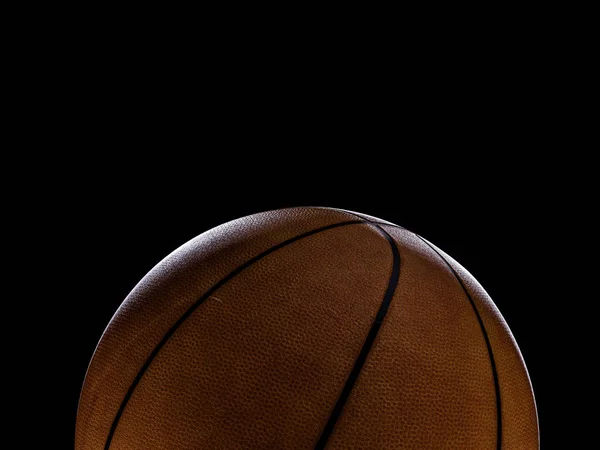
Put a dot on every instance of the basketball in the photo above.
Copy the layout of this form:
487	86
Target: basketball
306	328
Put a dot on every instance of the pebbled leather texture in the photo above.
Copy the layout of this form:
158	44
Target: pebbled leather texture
262	361
519	415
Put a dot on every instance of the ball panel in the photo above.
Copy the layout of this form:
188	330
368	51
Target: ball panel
163	296
519	415
427	382
261	363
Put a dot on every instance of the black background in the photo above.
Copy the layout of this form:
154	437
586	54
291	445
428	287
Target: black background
463	141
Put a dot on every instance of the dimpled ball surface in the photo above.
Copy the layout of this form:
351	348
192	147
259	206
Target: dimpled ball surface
249	335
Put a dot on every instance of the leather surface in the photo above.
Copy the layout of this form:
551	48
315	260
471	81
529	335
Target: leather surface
519	415
163	296
261	363
427	382
264	358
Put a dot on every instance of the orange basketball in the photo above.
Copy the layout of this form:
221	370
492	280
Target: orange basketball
307	328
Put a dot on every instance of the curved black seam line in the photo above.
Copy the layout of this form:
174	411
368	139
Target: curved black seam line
366	348
485	336
201	300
